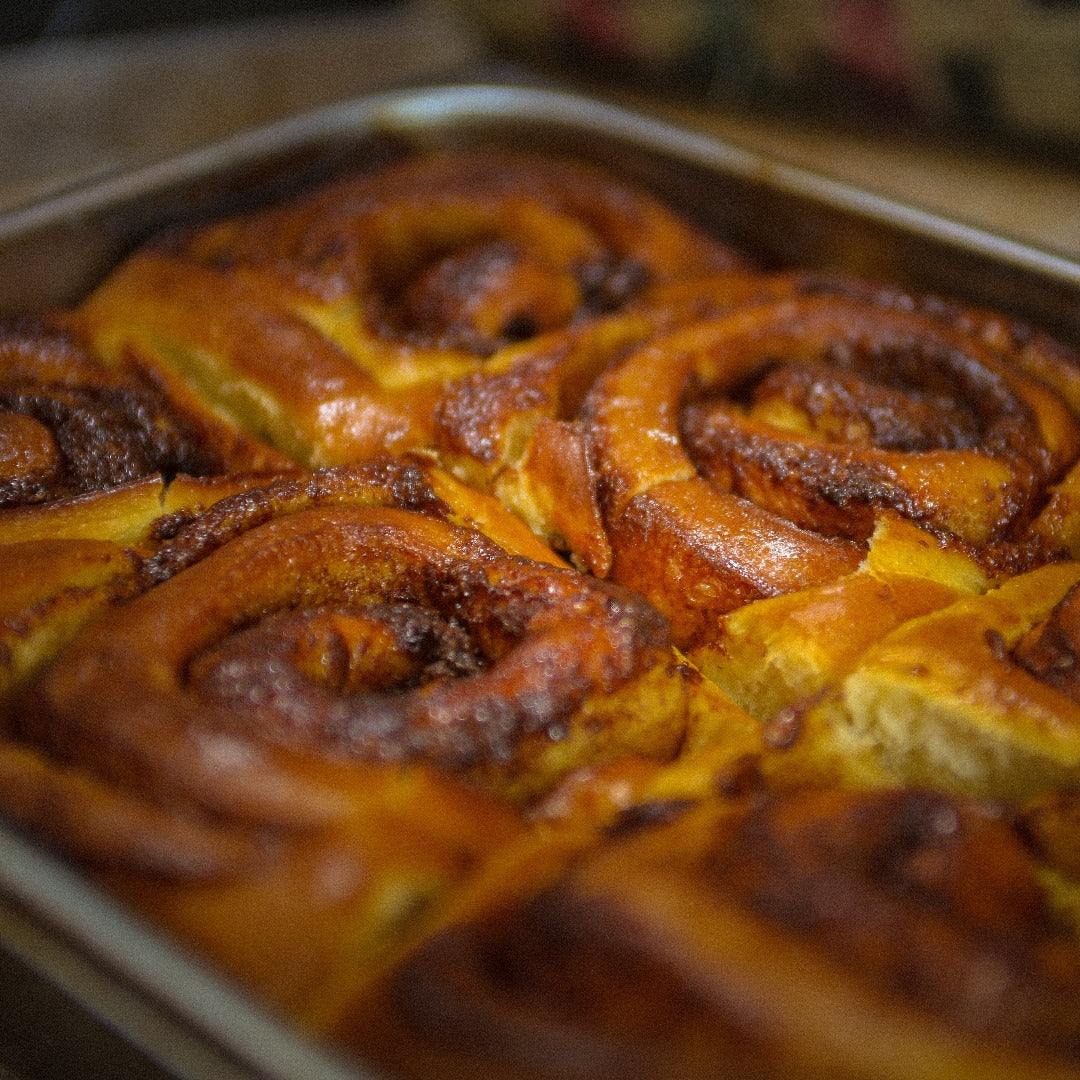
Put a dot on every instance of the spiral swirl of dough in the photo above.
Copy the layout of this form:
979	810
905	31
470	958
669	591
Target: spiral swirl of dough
355	617
751	455
330	325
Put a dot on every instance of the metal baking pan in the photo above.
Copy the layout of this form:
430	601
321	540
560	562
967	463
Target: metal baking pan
89	990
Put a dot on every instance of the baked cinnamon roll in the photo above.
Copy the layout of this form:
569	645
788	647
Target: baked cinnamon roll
323	704
69	426
349	852
330	325
752	455
357	616
808	933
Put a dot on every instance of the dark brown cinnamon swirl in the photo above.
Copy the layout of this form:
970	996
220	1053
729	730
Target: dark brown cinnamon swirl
69	426
751	456
1021	347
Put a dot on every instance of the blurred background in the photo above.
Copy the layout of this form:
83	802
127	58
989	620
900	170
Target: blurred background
31	21
969	107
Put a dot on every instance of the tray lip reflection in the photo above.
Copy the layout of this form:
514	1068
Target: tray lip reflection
424	110
67	902
182	1001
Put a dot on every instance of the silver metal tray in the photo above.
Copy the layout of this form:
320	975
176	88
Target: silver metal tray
86	989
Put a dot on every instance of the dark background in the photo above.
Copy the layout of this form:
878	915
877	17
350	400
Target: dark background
26	22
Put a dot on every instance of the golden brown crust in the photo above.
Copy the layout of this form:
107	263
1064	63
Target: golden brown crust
107	826
948	700
777	655
513	429
52	589
330	325
65	562
811	934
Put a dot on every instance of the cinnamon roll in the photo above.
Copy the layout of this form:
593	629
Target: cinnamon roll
807	933
329	326
69	426
357	616
752	455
